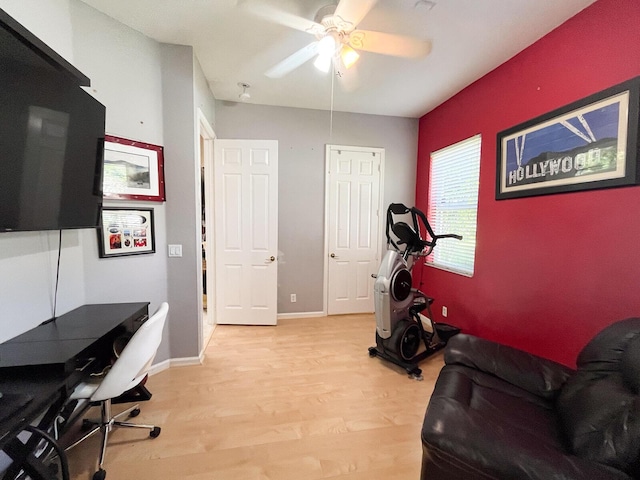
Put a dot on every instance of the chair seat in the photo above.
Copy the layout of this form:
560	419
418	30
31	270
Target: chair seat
501	415
125	373
85	390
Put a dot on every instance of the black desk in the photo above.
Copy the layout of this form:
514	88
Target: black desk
39	367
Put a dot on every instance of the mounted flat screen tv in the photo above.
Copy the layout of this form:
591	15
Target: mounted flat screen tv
51	138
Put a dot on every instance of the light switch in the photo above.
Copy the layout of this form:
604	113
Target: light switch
175	250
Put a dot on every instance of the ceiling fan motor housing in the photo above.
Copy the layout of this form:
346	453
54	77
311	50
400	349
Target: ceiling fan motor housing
332	23
326	11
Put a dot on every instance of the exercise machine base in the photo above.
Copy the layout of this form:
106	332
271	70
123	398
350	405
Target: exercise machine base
383	351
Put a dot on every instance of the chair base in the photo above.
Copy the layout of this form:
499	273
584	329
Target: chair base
105	425
139	393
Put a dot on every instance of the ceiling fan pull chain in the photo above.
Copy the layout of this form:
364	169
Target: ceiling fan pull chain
333	79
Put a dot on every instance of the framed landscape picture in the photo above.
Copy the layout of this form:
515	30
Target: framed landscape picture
132	170
591	143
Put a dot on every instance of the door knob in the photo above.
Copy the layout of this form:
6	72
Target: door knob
333	255
272	258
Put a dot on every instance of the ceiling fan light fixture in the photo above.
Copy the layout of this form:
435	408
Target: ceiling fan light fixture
323	62
327	46
349	56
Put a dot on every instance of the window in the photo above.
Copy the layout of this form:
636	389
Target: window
453	204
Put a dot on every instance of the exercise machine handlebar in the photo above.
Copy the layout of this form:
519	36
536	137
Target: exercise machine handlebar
410	236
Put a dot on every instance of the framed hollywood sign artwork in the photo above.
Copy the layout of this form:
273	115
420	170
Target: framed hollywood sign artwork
591	143
126	231
132	170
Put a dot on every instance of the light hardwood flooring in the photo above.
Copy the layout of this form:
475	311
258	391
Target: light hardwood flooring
301	401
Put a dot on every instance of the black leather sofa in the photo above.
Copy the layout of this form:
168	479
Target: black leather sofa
500	413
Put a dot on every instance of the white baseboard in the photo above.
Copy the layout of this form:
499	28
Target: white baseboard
160	367
301	315
186	361
175	362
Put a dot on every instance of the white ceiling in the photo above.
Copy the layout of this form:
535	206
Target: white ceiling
234	44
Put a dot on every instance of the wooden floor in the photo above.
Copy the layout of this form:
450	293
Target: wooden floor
302	400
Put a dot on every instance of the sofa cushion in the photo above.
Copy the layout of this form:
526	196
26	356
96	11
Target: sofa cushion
599	406
537	375
478	422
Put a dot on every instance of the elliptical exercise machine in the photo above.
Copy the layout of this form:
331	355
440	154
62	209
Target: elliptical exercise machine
400	326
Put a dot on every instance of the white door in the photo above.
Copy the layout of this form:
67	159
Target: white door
353	216
246	231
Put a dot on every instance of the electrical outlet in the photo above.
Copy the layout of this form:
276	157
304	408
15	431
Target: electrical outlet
444	311
293	298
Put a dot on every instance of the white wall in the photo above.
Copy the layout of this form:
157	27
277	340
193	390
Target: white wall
126	71
151	92
183	193
203	97
28	275
47	19
28	259
302	135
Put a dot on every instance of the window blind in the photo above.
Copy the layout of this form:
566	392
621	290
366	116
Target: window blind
453	204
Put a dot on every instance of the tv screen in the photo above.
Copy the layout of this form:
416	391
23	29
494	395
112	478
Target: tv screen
51	144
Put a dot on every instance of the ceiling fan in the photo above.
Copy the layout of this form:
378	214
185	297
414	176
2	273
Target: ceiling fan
337	38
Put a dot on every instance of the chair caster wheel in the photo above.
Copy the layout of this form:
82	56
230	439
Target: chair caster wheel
372	351
135	412
155	432
100	474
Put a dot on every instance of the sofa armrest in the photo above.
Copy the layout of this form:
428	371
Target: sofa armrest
537	375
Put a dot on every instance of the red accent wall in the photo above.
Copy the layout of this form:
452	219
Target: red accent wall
552	270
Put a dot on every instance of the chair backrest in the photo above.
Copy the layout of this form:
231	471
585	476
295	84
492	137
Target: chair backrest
136	358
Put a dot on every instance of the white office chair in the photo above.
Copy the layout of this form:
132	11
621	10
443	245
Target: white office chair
127	371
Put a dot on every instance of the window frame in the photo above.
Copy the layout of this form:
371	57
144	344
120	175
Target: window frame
459	197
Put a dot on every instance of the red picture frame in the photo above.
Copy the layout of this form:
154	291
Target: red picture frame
132	170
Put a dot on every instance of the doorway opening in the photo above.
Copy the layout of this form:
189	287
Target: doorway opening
206	136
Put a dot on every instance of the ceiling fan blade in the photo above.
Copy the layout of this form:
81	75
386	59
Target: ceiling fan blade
353	11
293	61
389	44
268	12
